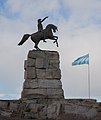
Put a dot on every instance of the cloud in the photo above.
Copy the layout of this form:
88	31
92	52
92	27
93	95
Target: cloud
32	9
84	13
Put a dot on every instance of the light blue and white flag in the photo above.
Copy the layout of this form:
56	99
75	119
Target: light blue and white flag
82	60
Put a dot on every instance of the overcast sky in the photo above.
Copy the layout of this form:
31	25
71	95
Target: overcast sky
79	25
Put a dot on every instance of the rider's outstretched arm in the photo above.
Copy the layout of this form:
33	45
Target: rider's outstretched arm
44	19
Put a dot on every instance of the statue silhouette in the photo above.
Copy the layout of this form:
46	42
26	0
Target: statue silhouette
46	33
40	26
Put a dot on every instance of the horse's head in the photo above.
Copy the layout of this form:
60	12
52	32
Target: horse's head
53	27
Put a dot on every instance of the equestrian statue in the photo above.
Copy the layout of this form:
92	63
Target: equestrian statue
42	34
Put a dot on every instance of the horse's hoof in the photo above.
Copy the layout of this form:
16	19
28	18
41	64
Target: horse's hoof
38	49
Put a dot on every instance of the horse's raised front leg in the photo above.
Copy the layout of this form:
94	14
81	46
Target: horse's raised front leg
55	38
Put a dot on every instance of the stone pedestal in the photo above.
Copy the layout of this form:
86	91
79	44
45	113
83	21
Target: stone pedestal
42	76
42	96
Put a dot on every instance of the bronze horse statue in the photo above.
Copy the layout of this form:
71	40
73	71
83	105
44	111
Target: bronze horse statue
46	33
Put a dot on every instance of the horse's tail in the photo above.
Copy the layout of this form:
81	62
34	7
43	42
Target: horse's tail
24	38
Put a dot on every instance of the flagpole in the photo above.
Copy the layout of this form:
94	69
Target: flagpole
84	60
89	81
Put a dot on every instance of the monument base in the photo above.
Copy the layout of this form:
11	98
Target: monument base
42	97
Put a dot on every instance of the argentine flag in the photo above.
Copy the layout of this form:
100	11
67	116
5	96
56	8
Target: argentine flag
81	60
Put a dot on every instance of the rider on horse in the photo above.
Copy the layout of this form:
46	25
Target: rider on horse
40	26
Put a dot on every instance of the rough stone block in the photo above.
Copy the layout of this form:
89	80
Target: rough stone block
48	73
83	110
42	93
41	63
29	63
53	64
53	74
30	73
41	73
36	54
43	54
52	55
53	110
14	106
37	83
3	104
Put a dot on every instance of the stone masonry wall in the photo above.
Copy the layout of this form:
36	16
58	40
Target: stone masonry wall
42	76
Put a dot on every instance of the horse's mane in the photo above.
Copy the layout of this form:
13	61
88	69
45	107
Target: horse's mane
50	25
